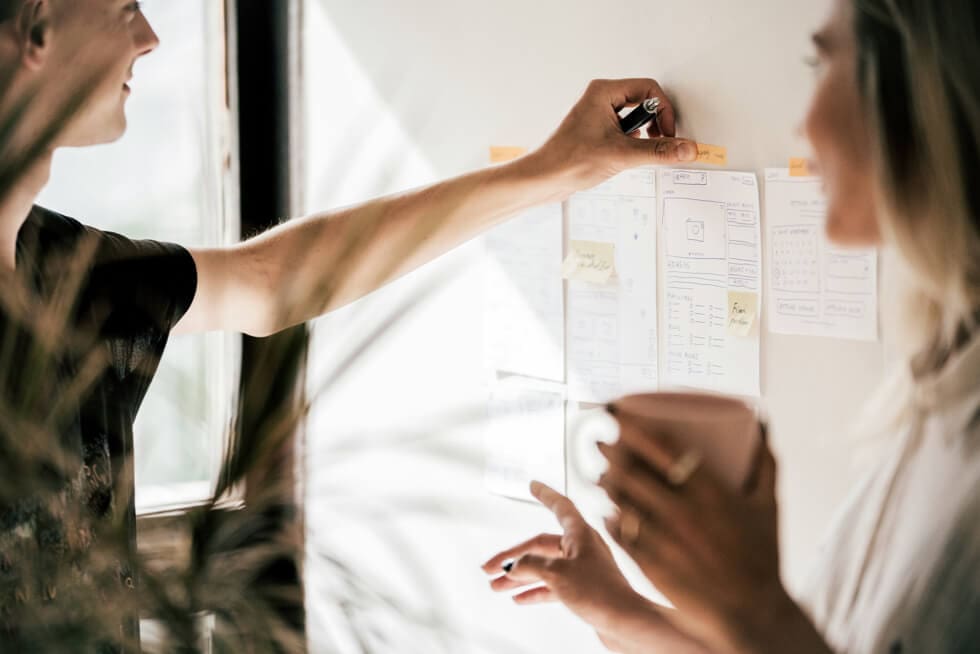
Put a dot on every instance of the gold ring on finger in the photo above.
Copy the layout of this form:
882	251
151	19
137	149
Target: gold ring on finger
629	526
681	471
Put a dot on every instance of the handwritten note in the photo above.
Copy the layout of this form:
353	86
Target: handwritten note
712	240
817	289
524	439
611	329
743	312
504	153
590	261
714	155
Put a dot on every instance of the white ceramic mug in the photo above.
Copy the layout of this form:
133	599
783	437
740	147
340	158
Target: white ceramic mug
724	432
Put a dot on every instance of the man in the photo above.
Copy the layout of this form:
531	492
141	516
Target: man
64	68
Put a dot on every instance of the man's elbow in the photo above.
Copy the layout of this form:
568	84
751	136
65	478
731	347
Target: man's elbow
261	330
255	306
260	314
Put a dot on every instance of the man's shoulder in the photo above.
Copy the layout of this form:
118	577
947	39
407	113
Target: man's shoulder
51	233
52	244
144	281
53	228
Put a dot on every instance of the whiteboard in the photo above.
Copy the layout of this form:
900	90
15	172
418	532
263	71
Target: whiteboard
405	93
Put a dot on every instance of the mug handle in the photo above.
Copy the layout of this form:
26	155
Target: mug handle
604	428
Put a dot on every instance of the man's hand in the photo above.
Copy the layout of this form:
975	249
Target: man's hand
313	265
591	146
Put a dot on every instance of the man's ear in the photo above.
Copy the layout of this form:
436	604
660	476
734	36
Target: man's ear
34	23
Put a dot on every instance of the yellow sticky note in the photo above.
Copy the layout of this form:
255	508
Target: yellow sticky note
590	261
505	153
799	168
743	309
715	155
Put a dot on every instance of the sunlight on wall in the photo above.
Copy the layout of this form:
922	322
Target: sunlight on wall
395	498
390	97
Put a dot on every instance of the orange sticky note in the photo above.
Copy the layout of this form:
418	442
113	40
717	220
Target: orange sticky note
505	153
715	155
799	168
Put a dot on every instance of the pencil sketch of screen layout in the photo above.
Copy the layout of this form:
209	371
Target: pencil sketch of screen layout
712	280
654	280
696	244
611	322
817	289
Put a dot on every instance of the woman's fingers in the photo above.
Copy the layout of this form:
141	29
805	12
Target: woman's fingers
631	475
767	473
532	569
540	595
528	570
633	538
505	584
655	449
548	545
643	541
644	491
564	510
614	527
762	481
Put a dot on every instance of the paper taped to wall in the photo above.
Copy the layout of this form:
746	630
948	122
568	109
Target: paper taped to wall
817	289
524	314
712	261
612	328
524	439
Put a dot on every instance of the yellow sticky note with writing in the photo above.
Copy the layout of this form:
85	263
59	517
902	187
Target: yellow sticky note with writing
799	168
715	155
590	261
505	153
743	310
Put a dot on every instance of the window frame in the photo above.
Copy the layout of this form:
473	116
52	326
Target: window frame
223	363
261	179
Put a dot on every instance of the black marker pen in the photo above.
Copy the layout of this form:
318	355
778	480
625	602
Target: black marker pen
640	116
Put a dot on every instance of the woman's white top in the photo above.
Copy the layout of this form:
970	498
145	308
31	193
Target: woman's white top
900	571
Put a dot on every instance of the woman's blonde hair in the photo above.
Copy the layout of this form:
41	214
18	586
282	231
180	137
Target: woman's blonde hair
919	70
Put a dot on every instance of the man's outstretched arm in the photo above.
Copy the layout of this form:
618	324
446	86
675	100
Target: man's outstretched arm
307	267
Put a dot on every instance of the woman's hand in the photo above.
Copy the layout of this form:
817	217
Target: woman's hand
713	552
577	569
589	146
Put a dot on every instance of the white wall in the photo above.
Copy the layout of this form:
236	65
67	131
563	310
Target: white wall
404	93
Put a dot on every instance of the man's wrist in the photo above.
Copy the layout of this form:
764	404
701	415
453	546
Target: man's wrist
554	178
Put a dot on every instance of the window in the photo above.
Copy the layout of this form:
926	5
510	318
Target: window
168	179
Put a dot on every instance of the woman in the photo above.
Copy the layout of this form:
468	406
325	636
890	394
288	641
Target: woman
895	129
